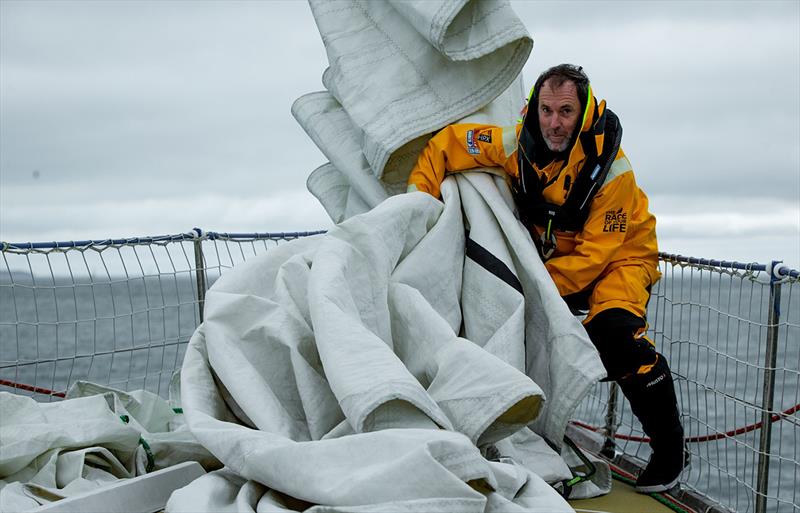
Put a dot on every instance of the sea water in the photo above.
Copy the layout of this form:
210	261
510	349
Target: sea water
127	333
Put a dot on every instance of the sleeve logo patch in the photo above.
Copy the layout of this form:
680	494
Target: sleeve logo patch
472	147
616	221
485	137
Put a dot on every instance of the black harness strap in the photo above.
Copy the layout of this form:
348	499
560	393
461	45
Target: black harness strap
484	258
572	214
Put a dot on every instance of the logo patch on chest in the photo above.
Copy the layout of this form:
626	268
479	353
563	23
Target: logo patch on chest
485	137
616	221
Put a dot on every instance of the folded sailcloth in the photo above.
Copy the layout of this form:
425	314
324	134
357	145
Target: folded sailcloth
417	357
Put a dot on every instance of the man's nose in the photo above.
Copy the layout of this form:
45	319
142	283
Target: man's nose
554	121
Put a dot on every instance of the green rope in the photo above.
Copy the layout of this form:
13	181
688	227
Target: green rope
151	460
657	496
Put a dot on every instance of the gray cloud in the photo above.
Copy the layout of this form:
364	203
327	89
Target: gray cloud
108	91
142	117
539	15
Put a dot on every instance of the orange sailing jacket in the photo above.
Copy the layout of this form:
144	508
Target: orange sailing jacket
617	244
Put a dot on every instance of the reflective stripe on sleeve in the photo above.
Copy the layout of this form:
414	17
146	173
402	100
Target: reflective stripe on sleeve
620	166
509	139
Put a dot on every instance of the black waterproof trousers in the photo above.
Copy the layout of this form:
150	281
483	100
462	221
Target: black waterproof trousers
643	376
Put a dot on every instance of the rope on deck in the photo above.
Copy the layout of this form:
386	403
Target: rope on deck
775	417
31	388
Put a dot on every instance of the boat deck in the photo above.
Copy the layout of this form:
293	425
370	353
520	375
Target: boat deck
622	499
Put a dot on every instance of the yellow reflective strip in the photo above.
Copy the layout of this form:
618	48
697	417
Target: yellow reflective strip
642	333
509	139
530	94
589	95
644	369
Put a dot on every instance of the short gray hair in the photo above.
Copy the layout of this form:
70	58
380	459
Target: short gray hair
562	73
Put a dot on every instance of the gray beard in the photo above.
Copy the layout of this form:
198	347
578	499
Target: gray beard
556	148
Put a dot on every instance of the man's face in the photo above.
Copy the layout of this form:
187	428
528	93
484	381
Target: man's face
559	110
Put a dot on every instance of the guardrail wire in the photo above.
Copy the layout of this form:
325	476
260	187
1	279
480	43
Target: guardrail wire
120	312
731	333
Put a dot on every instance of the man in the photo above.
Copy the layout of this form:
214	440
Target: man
576	193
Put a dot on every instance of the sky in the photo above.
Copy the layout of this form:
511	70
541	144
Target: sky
131	118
